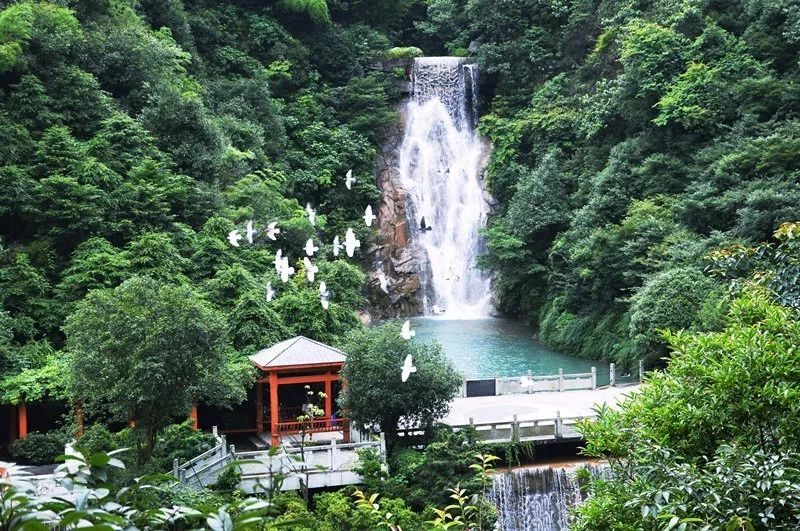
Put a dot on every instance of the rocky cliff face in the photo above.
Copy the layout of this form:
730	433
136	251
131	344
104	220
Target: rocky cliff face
396	258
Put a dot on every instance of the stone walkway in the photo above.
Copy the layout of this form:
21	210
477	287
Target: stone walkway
533	406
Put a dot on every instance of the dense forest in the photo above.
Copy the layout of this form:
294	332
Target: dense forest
644	166
136	135
630	141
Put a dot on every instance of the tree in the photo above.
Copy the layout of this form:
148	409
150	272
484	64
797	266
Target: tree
710	436
671	300
144	352
375	394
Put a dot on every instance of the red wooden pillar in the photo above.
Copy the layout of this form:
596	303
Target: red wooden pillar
259	408
273	407
195	418
328	397
22	420
79	419
346	428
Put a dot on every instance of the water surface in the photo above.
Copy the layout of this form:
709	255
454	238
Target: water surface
484	348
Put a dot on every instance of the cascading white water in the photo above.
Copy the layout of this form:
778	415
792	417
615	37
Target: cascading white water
440	162
538	499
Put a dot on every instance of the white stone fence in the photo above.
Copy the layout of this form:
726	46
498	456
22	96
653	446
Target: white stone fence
327	465
531	383
204	469
534	430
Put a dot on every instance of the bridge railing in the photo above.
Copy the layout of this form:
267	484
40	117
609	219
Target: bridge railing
205	468
542	430
537	383
531	383
328	465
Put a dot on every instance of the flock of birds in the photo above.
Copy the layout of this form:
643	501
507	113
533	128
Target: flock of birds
350	244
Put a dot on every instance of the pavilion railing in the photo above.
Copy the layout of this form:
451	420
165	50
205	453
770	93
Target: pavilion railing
314	426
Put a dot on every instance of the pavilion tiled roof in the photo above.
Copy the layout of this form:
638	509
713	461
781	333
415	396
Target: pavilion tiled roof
297	352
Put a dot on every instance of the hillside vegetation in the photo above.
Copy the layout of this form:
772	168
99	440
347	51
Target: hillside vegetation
136	135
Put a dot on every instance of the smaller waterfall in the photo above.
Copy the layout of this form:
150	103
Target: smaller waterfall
440	161
538	499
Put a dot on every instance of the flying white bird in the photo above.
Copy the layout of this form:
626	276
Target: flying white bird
384	282
368	217
312	214
350	242
336	246
273	230
234	237
408	367
250	231
310	247
270	292
286	269
324	295
278	261
310	268
406	331
349	180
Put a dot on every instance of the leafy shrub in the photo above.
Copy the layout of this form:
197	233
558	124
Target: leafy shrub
403	52
39	448
96	438
671	300
229	478
181	442
336	510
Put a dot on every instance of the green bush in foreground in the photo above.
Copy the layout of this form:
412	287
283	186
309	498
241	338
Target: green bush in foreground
713	442
39	448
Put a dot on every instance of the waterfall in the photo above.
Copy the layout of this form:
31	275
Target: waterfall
538	499
440	162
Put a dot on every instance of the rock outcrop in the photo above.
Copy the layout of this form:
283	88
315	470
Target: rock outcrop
396	259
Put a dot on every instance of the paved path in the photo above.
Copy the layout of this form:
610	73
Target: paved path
533	406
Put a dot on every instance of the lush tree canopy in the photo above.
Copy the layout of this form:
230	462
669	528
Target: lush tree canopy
137	135
375	394
144	351
714	437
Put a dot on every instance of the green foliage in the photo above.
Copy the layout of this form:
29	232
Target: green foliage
181	442
47	379
628	140
144	351
134	138
771	265
316	9
376	396
698	438
92	502
39	448
670	300
96	438
16	27
403	52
